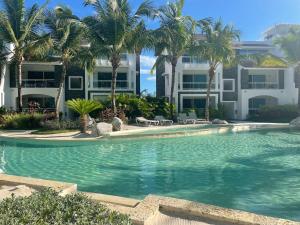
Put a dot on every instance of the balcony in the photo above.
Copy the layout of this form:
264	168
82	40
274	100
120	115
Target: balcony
105	62
196	85
106	84
39	83
263	85
190	62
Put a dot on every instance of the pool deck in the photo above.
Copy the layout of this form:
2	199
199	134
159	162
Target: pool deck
157	210
131	131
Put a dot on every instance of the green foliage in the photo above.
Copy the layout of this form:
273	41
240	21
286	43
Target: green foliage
83	106
276	113
148	107
215	113
3	110
47	207
22	121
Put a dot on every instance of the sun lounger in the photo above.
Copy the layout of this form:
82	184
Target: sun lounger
144	121
163	121
192	115
183	119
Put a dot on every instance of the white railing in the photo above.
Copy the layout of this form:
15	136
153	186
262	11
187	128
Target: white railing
106	84
196	85
38	83
263	85
193	60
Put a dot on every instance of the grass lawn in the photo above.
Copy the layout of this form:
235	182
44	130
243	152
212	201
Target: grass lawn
45	132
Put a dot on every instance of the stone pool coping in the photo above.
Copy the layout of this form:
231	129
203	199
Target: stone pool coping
143	212
136	131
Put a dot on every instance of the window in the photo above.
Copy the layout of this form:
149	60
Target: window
103	80
194	81
99	98
75	83
40	75
229	85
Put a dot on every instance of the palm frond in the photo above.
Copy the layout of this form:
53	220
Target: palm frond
83	106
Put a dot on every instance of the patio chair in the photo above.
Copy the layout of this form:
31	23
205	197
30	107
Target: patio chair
192	115
163	121
184	119
145	122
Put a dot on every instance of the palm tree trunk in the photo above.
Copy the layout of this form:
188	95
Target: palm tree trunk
138	73
113	90
60	89
207	104
83	124
171	100
19	74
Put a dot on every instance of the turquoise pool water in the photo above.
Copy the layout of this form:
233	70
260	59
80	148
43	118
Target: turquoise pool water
253	171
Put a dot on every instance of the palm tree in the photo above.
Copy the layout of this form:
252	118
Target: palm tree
19	26
66	33
83	107
173	38
216	48
111	31
290	44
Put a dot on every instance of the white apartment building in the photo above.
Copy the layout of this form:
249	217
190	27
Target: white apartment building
40	82
241	89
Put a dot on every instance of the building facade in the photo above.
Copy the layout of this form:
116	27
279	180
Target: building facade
242	89
40	82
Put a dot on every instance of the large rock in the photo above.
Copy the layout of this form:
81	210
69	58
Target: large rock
101	129
220	122
295	122
117	124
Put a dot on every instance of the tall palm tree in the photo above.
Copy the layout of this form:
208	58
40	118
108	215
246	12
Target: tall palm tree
290	44
66	33
173	38
216	48
142	39
111	31
19	26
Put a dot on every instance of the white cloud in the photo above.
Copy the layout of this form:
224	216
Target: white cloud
147	72
152	78
147	61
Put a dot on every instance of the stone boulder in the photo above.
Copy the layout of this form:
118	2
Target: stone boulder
101	129
117	124
219	122
295	123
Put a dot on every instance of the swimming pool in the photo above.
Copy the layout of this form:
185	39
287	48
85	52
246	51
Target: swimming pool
253	171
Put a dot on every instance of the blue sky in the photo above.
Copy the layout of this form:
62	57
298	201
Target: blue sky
251	17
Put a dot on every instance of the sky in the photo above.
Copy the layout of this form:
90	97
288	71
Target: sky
251	17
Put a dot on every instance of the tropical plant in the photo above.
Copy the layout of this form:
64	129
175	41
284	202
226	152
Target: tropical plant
173	38
290	44
112	30
216	48
22	121
66	33
20	27
83	107
49	207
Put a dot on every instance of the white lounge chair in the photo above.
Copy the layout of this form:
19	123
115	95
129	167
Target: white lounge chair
192	115
144	121
163	121
184	119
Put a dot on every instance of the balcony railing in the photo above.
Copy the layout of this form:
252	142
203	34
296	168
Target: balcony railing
263	85
106	84
196	85
39	83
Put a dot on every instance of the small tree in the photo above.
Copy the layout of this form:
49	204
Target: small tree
216	48
83	107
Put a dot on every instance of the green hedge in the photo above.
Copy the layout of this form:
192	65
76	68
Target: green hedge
48	208
22	121
277	113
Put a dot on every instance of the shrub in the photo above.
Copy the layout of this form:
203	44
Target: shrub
61	125
276	113
134	106
23	121
47	207
3	110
